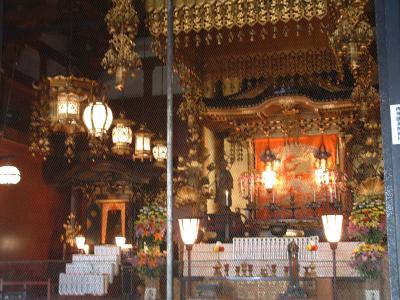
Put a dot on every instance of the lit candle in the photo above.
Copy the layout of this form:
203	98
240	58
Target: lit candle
252	191
314	195
334	185
331	192
273	196
227	197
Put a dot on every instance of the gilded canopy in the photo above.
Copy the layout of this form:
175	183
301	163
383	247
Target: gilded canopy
198	15
246	38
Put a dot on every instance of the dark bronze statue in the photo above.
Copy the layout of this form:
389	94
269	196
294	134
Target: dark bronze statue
294	290
224	183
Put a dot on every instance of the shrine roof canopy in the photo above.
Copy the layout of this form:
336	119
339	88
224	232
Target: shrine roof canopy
271	115
255	95
198	15
218	39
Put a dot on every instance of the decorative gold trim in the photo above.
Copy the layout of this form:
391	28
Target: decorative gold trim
269	102
197	15
81	86
276	64
279	114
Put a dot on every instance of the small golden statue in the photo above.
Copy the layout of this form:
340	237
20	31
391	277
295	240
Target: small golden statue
72	229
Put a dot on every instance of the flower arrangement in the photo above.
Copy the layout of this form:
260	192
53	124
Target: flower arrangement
367	224
150	231
367	220
218	247
312	246
367	259
149	262
151	225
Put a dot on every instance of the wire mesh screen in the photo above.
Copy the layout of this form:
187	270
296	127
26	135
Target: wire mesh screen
275	80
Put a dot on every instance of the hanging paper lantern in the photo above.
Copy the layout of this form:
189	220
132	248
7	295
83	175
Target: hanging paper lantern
98	118
9	174
160	150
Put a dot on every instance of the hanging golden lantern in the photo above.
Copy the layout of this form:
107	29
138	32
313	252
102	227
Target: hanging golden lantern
268	176
160	150
59	110
143	143
66	110
122	135
322	174
66	96
98	118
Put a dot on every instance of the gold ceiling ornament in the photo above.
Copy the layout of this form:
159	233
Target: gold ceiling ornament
122	23
198	15
58	111
304	62
353	34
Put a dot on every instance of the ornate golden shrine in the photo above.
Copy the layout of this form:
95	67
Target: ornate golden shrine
254	48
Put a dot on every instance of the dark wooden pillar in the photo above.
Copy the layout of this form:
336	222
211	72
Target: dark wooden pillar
388	43
219	150
43	65
149	63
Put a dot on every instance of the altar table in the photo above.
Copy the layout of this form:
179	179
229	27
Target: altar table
203	259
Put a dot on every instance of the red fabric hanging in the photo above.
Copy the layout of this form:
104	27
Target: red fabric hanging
295	172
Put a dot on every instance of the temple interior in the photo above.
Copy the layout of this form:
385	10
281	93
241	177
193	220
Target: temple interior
275	150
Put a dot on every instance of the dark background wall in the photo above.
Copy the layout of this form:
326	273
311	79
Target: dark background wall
31	212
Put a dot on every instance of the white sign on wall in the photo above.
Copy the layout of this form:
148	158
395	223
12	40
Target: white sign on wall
395	122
